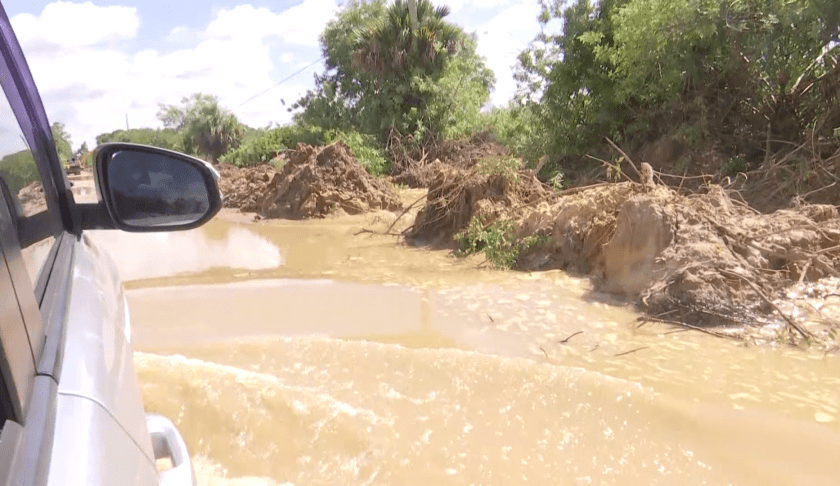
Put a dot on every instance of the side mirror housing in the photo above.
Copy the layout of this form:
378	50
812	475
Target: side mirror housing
150	189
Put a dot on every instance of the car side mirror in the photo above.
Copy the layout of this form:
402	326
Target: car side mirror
147	189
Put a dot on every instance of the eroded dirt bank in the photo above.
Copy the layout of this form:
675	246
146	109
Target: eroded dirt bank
701	259
314	182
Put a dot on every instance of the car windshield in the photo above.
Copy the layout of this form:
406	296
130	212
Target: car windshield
466	241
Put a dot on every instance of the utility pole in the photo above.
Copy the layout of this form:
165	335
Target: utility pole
126	122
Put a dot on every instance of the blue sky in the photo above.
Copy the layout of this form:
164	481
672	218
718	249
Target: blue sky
96	62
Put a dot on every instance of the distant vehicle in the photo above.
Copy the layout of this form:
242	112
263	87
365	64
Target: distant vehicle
73	166
70	405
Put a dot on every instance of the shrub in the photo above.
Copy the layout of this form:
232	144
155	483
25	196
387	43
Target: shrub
497	241
367	150
19	170
507	167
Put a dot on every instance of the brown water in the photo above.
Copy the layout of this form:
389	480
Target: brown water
300	353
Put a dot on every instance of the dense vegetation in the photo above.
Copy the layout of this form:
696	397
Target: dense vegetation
734	81
382	75
168	138
19	169
722	87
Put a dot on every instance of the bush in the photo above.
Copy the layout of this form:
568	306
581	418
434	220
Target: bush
519	129
19	170
507	167
164	138
497	241
262	147
259	149
366	149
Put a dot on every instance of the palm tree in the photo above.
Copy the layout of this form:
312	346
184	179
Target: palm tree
209	130
392	47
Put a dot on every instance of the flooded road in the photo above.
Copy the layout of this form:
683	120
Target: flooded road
302	353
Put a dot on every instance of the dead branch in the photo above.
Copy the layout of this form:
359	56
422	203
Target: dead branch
564	341
368	231
631	351
689	326
627	157
803	332
404	211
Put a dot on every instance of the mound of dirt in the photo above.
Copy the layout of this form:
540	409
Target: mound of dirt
703	259
317	181
456	195
31	198
412	164
245	188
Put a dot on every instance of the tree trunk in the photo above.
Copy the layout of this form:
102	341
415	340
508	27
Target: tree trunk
412	13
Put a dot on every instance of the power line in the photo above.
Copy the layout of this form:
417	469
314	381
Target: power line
280	82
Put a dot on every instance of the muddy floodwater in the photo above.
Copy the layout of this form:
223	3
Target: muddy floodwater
301	353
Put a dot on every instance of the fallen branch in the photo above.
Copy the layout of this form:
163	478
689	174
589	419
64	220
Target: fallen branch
564	341
627	157
575	190
631	351
805	271
689	326
385	233
407	209
803	332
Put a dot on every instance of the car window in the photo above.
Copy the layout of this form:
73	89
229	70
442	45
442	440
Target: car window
23	189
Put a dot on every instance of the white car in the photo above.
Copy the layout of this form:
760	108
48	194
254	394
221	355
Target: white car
72	412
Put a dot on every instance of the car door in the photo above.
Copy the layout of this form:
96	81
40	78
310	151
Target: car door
71	407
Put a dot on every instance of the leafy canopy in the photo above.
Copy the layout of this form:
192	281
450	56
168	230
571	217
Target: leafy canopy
382	75
207	128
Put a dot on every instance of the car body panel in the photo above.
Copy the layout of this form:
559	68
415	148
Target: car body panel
22	283
39	433
93	449
98	361
19	366
75	414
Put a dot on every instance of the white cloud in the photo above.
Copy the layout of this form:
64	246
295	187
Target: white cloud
456	6
76	25
89	79
300	24
490	3
91	83
500	41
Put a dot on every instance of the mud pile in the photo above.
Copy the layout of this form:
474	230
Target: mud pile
413	165
703	259
245	188
317	181
456	195
32	200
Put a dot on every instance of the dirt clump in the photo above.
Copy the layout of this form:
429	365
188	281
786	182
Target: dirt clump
414	163
703	259
245	188
318	181
456	195
32	199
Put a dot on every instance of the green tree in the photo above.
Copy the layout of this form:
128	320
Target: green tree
382	75
62	141
207	128
83	149
720	70
167	138
19	169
